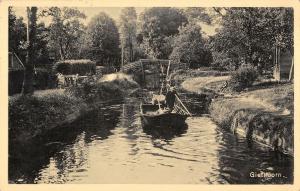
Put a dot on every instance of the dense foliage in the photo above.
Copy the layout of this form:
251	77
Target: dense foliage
114	88
244	36
189	47
243	77
16	34
158	25
102	41
249	35
65	31
128	32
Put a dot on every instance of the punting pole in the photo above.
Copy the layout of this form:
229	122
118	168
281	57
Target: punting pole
168	69
183	105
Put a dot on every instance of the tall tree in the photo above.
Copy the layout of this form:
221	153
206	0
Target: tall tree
197	14
31	51
17	35
158	24
249	34
11	29
189	47
42	45
102	40
65	30
128	30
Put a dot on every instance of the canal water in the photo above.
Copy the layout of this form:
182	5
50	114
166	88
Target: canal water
110	146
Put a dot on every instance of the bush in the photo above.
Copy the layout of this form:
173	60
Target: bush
222	62
81	67
112	86
44	79
243	77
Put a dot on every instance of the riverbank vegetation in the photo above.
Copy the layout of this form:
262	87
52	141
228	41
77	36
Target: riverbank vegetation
263	112
277	99
264	115
240	36
111	86
233	62
33	115
30	116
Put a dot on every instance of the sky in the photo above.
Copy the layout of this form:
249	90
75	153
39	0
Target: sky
113	12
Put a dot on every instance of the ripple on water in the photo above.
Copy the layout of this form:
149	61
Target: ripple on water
113	148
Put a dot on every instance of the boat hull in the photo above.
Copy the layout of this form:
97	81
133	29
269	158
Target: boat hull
151	118
164	120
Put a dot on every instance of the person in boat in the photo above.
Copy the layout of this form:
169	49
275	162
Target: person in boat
170	98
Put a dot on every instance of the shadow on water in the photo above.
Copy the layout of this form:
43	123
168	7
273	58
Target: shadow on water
166	133
112	138
25	161
246	162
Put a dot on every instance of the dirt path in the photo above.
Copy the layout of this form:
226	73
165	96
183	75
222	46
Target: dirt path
199	83
196	84
252	102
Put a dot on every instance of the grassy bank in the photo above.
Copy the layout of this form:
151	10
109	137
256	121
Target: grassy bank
264	115
263	112
277	99
30	116
182	75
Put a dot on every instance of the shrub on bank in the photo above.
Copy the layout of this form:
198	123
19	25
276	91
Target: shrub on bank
69	67
44	79
31	115
243	77
222	62
112	86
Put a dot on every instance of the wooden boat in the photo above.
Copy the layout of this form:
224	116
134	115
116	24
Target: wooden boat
153	116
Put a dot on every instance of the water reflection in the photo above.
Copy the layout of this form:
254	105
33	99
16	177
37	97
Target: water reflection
62	150
166	133
243	158
110	146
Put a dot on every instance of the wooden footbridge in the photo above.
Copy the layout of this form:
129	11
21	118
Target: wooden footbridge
150	73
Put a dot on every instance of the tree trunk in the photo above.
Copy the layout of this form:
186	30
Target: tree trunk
31	39
61	50
130	50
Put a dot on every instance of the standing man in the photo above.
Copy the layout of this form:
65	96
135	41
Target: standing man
170	98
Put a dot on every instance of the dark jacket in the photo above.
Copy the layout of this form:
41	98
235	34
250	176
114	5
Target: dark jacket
170	98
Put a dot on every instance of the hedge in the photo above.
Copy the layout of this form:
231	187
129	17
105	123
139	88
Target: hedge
69	67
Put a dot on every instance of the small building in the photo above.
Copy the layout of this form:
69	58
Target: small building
15	74
283	65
